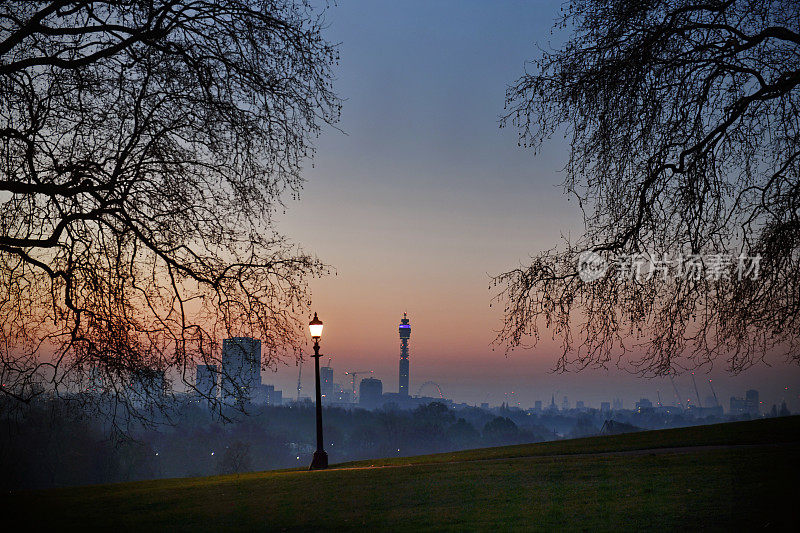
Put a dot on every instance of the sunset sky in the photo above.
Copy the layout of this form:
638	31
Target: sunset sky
423	198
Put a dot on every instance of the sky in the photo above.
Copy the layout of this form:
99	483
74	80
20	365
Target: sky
422	198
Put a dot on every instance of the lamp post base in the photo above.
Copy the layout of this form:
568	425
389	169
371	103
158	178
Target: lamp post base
320	461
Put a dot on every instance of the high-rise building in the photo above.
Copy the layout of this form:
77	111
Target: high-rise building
276	398
749	405
537	405
405	336
326	383
148	384
206	381
605	407
644	405
617	404
753	405
241	368
370	393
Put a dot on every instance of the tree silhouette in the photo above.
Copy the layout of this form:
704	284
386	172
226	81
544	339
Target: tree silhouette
683	121
146	145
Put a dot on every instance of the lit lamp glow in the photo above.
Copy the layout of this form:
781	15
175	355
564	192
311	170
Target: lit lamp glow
316	327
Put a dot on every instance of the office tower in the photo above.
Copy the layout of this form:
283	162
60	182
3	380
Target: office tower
370	393
241	368
206	381
405	336
326	383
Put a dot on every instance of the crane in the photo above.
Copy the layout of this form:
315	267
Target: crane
677	396
699	403
716	400
299	373
353	375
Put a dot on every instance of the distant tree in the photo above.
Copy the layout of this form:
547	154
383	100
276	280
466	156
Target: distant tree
145	146
463	434
500	430
685	153
235	459
584	427
435	413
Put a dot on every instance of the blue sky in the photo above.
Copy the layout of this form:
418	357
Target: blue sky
423	197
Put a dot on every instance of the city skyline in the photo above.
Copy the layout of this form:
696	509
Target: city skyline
425	198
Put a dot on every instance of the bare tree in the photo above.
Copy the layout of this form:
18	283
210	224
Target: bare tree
683	120
144	147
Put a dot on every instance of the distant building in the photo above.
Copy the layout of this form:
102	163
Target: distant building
644	405
266	395
565	404
537	406
749	405
580	405
485	405
738	406
617	403
207	381
341	395
276	398
241	369
704	412
605	407
326	383
370	393
147	385
753	402
552	408
259	395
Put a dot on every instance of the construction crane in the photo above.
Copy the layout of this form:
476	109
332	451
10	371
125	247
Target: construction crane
716	400
677	396
697	393
353	375
299	373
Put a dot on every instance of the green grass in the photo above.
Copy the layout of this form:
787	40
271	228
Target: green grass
547	486
765	431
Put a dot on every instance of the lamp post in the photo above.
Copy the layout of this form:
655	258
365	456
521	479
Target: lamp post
320	460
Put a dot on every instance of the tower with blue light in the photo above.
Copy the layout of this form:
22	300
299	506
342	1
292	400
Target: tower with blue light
405	336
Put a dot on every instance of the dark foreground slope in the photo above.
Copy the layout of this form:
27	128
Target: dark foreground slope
728	477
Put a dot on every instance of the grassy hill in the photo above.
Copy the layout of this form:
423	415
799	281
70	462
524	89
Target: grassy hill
739	476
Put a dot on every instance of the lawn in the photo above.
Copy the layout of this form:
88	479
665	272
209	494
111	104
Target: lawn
740	476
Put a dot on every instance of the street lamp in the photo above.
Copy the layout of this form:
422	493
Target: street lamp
320	460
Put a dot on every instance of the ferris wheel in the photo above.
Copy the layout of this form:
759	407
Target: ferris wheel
431	384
